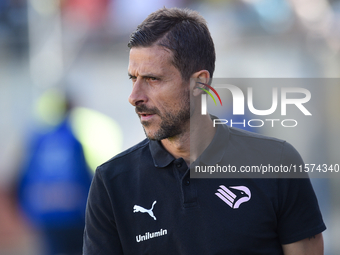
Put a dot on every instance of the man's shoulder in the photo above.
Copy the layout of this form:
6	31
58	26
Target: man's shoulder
126	157
258	144
243	134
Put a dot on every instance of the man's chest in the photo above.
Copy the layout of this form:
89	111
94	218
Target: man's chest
198	217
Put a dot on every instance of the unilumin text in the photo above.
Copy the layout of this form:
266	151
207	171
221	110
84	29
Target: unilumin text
148	235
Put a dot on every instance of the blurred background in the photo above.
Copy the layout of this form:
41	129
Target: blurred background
64	90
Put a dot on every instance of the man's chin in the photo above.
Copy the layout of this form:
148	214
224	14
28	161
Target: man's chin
145	123
153	137
150	134
159	134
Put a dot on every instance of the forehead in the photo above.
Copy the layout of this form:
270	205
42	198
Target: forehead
155	59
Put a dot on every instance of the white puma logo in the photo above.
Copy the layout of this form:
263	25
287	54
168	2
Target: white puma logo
138	208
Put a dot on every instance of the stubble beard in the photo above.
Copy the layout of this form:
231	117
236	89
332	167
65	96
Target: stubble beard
172	123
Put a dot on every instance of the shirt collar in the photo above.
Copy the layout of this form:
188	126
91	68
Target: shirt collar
161	157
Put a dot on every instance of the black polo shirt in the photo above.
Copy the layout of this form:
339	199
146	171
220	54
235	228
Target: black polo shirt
143	202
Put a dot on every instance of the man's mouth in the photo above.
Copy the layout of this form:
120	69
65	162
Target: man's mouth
145	116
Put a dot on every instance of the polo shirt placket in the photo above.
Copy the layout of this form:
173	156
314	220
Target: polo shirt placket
187	186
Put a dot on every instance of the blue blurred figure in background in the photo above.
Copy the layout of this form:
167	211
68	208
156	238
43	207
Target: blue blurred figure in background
54	184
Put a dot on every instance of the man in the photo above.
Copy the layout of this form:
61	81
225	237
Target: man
143	201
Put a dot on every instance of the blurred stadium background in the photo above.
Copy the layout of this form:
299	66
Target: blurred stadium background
79	48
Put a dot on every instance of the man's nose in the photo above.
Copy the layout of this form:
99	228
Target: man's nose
138	94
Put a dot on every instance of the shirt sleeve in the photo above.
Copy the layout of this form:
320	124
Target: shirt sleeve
100	235
299	216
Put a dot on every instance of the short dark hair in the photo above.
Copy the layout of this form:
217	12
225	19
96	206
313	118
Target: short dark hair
182	31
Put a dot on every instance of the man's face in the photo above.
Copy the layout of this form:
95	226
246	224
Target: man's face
161	98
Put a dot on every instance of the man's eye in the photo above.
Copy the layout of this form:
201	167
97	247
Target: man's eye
152	79
133	78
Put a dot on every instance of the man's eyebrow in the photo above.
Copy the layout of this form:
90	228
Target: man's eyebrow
147	75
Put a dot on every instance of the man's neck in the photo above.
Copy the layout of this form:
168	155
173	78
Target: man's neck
191	143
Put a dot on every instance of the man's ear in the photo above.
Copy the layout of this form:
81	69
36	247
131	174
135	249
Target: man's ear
199	79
